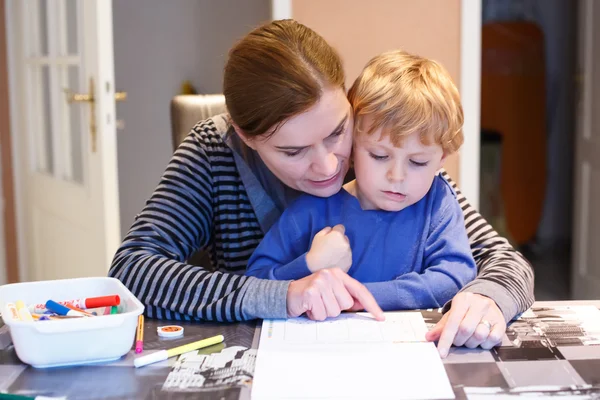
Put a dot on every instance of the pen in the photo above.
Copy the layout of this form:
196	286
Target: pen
10	396
139	340
87	314
175	351
62	310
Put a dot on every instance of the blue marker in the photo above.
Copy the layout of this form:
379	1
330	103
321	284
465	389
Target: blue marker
62	310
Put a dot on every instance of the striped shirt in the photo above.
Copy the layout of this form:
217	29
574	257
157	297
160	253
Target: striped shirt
209	199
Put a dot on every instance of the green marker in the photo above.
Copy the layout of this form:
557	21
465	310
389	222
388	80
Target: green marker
114	310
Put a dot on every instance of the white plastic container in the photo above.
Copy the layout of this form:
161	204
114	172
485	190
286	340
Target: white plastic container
74	341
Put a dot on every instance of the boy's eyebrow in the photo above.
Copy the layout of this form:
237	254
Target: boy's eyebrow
336	130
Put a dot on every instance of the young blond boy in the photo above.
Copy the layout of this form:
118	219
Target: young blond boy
397	227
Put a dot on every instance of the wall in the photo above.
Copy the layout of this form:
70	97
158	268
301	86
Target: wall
360	30
158	44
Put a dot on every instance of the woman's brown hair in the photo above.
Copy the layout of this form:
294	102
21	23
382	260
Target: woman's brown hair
275	72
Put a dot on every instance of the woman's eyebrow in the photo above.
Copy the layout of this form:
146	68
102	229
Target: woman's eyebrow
337	128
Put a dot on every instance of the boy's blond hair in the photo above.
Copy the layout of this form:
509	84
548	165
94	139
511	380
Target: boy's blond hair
403	94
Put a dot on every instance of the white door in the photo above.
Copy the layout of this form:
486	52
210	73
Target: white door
586	235
63	122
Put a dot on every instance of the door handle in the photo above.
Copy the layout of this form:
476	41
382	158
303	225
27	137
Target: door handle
89	98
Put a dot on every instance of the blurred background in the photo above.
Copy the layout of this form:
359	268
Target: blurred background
86	129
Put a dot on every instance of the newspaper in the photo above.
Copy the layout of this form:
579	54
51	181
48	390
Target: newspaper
230	367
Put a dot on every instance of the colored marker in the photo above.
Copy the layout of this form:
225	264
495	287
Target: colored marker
10	396
175	351
87	314
23	311
14	313
139	340
114	310
89	302
62	310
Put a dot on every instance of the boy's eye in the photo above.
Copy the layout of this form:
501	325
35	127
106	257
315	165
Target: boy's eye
418	164
377	157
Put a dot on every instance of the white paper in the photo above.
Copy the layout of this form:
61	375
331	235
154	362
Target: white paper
349	357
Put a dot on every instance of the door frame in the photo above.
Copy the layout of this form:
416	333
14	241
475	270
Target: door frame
470	93
583	128
13	41
8	246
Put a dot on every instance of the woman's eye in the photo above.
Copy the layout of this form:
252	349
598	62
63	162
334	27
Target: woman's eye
377	157
292	153
336	134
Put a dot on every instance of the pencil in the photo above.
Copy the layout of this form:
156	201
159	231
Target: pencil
139	340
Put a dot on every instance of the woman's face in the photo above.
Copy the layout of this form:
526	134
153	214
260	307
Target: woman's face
310	152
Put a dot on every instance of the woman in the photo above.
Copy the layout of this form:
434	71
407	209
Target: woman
289	130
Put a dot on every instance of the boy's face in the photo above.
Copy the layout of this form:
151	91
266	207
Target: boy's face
392	178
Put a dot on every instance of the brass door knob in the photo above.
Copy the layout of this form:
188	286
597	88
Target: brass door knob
89	98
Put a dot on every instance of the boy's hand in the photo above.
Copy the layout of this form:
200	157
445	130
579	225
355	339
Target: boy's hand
330	249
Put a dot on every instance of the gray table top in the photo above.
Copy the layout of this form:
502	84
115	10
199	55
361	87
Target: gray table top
535	352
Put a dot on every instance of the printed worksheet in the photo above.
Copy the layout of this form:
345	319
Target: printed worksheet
349	357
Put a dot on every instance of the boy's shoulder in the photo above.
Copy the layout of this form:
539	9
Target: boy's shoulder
441	187
442	195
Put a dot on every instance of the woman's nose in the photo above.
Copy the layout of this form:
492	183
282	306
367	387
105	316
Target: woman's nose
326	165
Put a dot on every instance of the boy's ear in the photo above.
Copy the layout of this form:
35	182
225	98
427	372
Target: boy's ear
248	141
443	159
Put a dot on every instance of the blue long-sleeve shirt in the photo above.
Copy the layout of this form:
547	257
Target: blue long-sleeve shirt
415	258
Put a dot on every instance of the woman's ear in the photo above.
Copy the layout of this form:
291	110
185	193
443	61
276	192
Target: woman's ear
249	142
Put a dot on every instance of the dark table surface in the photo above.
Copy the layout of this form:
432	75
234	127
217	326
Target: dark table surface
535	352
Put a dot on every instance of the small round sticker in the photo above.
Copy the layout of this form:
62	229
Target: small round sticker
170	331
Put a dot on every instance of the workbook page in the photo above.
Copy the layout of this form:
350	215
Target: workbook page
349	357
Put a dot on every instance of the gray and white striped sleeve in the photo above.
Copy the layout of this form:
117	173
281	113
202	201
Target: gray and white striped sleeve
504	275
177	221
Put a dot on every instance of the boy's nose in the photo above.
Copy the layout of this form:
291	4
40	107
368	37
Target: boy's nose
396	174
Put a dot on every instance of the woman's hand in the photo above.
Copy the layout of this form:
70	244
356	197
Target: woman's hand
326	293
330	248
473	320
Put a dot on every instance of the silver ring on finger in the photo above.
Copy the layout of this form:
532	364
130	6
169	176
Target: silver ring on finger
486	323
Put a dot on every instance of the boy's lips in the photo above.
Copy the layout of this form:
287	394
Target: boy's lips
395	196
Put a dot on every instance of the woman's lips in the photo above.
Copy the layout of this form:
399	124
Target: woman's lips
326	182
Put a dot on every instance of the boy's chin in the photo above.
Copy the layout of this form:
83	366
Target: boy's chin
393	207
